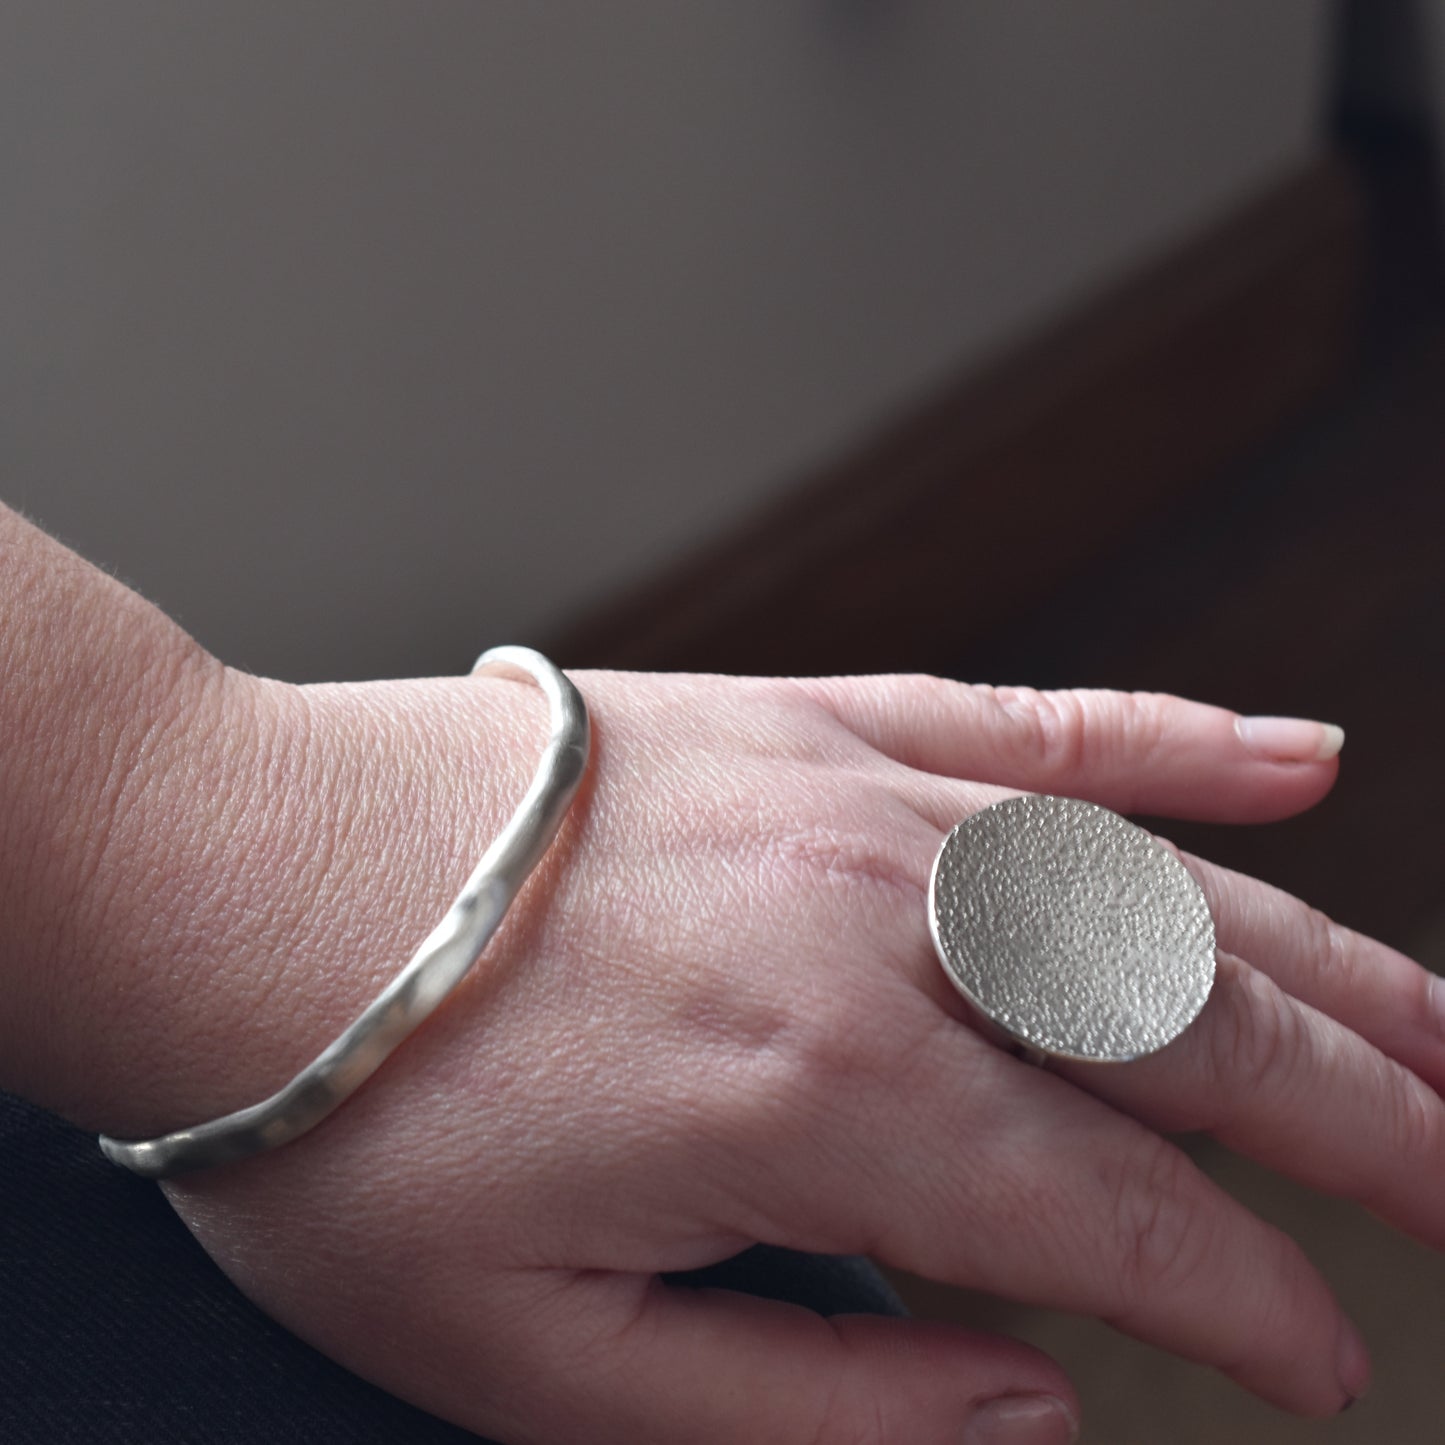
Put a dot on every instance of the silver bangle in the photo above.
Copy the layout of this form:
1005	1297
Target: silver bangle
436	968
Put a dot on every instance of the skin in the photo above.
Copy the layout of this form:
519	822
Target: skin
713	1018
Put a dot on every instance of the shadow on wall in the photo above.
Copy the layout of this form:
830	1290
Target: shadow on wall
360	341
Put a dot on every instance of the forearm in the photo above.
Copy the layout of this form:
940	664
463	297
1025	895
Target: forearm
95	685
194	899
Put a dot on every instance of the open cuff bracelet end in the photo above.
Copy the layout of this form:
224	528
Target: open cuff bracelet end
437	967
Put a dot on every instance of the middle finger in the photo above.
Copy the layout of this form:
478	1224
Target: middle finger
1381	994
1293	1088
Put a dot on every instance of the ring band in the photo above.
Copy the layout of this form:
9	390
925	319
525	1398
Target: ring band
437	967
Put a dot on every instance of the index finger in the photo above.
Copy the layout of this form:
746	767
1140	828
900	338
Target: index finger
1135	752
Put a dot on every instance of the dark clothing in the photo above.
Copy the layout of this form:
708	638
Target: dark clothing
115	1327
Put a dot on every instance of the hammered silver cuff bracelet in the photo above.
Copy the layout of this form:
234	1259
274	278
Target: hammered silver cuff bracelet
437	967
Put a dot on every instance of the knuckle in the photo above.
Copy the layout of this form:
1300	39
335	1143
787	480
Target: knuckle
1416	1118
912	696
921	700
1061	732
1256	1039
1046	729
1148	715
943	694
1337	960
1163	1238
844	1419
924	687
1143	724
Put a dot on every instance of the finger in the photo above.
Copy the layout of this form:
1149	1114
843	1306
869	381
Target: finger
1133	752
994	1175
629	1360
1293	1088
1380	994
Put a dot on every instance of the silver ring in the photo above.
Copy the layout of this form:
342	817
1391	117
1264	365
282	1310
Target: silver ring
437	967
1070	931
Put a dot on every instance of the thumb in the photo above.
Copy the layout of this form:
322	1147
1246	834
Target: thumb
649	1363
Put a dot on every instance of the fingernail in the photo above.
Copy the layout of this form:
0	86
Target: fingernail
1353	1363
1436	993
1289	739
1022	1420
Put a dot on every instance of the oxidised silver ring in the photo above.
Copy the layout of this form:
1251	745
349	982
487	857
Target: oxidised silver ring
1071	931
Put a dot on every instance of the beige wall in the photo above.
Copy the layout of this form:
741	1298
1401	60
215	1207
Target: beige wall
363	335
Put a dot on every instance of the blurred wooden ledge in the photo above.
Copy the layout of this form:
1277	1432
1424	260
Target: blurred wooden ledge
1009	483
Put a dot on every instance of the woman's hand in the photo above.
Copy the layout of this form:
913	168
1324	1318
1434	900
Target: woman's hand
715	1018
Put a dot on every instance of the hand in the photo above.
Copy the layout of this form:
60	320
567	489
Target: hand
716	1018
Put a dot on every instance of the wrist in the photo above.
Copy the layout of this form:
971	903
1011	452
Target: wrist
99	692
280	857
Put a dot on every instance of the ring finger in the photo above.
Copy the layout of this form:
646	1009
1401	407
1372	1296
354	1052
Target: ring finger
1291	1087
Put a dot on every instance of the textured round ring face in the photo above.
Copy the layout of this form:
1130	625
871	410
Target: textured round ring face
1071	928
